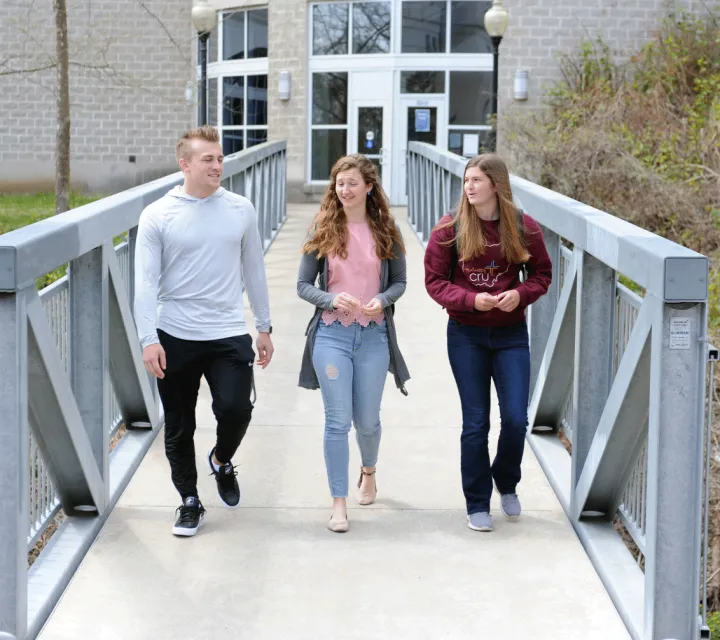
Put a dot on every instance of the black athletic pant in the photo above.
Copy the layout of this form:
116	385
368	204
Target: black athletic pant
227	365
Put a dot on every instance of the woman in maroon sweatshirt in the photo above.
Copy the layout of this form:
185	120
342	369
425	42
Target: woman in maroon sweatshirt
473	266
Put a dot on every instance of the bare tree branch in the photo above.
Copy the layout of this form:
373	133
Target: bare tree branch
165	29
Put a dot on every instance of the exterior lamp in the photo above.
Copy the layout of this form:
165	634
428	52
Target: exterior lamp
496	22
204	20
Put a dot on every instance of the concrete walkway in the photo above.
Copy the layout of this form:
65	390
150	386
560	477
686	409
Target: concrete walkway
408	569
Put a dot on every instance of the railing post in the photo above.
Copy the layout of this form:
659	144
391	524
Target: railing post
89	351
411	188
675	444
130	284
543	311
14	462
594	339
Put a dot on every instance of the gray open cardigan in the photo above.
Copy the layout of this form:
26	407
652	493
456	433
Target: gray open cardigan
393	279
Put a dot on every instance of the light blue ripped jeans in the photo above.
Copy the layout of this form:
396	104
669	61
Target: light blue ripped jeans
351	364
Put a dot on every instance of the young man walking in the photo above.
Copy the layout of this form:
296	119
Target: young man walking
197	247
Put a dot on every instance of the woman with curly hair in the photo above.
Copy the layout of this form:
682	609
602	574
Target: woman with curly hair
356	254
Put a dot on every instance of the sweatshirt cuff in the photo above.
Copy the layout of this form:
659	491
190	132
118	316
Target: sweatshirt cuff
149	339
470	300
263	327
522	290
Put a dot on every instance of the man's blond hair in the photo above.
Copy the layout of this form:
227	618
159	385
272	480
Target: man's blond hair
183	149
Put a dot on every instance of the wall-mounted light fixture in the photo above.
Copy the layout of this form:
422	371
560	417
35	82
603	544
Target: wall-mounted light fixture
520	87
284	85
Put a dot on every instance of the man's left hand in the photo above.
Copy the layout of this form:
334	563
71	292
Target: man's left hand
265	349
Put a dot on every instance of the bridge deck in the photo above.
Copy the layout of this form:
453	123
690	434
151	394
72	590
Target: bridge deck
409	568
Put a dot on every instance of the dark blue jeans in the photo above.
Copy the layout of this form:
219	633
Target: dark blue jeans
478	354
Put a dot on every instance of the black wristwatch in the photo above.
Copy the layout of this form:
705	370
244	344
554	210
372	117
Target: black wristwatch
269	331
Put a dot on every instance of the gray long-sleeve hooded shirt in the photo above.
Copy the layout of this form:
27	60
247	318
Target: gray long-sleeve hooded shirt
192	258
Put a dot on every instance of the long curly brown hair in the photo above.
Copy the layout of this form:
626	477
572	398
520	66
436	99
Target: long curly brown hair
328	232
469	232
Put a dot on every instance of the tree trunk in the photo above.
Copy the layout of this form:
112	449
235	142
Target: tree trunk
62	140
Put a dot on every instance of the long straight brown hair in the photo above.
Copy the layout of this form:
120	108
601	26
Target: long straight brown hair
328	232
469	235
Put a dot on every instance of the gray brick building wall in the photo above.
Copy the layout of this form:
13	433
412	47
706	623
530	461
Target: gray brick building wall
135	105
138	106
539	30
287	119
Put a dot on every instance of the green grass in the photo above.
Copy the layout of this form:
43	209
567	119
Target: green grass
21	210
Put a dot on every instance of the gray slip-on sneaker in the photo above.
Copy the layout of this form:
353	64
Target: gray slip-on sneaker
510	505
481	521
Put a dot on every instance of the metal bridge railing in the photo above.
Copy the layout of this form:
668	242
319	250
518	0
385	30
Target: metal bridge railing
72	374
623	378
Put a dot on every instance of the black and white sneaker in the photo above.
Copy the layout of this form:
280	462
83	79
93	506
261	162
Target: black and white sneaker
190	515
227	484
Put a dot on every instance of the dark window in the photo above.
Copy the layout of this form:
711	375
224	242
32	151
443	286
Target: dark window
258	33
424	27
233	101
257	105
422	82
422	124
232	142
457	139
467	28
330	29
329	98
256	136
370	120
470	97
234	35
371	27
327	146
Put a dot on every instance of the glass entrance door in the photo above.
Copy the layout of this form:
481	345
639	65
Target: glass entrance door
421	120
371	136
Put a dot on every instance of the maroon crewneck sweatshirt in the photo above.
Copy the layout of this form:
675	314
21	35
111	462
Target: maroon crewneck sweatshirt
490	273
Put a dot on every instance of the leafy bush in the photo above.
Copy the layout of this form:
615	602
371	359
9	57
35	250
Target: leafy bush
641	139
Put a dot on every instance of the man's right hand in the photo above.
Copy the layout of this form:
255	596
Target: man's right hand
154	360
485	302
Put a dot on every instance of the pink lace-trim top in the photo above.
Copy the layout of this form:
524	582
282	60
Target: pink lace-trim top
358	275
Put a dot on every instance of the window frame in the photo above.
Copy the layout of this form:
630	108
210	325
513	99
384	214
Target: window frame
351	24
218	70
394	61
323	127
221	127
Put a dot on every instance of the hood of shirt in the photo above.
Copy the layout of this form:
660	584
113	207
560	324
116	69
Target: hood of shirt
178	193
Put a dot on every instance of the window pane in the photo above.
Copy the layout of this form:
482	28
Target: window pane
213	46
330	98
212	101
371	27
233	101
423	27
422	124
478	140
232	142
258	33
212	49
257	105
422	82
467	28
470	97
256	136
370	120
327	146
330	29
234	35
